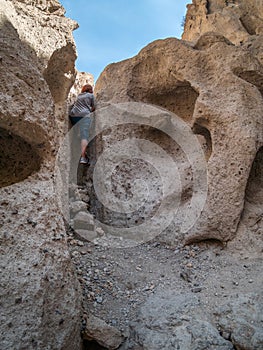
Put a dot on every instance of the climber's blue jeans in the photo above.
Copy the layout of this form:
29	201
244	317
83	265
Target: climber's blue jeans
84	126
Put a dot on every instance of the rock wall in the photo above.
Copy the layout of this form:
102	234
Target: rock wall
235	19
81	79
213	85
40	299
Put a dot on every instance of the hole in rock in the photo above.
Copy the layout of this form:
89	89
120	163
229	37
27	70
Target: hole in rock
179	100
254	190
248	24
163	87
251	77
204	137
92	345
211	242
18	159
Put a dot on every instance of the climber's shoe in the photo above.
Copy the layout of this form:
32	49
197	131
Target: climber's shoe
84	160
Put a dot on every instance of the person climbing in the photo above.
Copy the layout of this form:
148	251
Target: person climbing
80	112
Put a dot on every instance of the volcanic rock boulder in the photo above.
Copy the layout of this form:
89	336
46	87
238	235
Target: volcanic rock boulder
170	320
215	87
40	300
237	20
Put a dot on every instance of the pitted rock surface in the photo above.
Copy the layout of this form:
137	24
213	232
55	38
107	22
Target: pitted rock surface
203	296
217	89
237	20
40	296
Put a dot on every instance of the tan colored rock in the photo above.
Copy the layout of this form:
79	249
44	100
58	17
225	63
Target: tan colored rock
77	206
104	334
40	300
83	221
86	235
40	297
235	19
42	71
216	88
81	79
254	45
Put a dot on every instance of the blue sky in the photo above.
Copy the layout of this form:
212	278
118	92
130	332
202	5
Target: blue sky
113	30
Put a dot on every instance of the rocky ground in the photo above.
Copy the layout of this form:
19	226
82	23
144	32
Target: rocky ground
159	296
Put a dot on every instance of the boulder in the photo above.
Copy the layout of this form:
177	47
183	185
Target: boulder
104	334
237	20
40	295
83	221
215	88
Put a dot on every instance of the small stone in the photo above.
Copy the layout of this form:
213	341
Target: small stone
192	253
87	235
226	335
148	288
99	300
100	231
77	206
84	250
73	191
186	276
75	254
104	334
84	221
196	289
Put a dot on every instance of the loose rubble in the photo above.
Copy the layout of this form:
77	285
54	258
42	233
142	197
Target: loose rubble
203	291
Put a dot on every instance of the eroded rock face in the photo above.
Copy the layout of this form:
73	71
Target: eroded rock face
81	79
40	305
215	87
18	159
171	320
235	19
37	71
39	291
